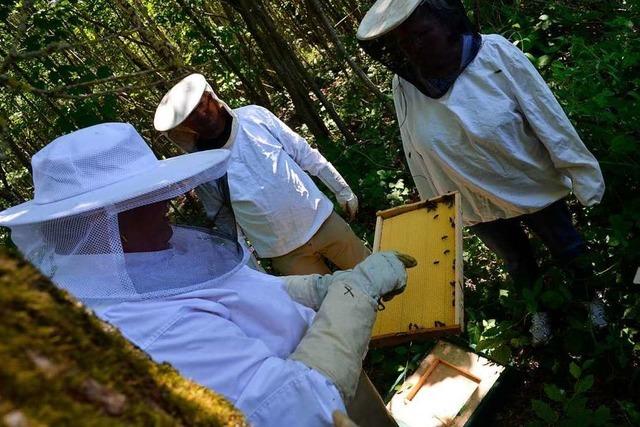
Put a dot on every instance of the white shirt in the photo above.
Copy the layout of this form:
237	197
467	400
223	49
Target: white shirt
499	137
235	338
277	205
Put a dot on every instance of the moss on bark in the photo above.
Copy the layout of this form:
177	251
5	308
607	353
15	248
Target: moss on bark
60	365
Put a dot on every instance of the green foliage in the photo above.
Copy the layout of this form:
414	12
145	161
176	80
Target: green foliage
588	51
588	54
570	408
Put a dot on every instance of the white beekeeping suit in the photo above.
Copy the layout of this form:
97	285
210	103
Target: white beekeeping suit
279	208
188	298
498	136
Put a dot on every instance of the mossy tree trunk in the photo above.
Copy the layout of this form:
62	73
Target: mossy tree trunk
60	365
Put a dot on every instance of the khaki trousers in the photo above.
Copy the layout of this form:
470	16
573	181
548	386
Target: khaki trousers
334	241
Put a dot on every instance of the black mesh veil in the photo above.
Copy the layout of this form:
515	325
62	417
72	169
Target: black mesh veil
385	50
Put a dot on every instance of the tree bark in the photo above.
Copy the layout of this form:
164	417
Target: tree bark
279	55
317	10
63	366
289	68
255	94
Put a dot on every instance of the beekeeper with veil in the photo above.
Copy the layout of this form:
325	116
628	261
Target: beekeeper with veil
285	351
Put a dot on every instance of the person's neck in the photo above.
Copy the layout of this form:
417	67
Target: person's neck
222	138
449	65
456	58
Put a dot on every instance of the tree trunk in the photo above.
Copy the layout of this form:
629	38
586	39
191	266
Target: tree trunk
63	366
255	94
304	74
316	8
279	55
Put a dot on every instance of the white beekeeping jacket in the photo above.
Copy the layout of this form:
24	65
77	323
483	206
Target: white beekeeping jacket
233	337
187	297
276	203
499	137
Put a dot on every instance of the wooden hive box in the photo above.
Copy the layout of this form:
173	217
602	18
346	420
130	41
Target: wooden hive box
432	304
447	388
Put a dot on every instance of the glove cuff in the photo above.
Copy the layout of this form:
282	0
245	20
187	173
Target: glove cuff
345	195
330	176
337	340
304	290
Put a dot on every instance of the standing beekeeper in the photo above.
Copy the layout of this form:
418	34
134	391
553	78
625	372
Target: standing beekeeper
278	207
98	226
476	117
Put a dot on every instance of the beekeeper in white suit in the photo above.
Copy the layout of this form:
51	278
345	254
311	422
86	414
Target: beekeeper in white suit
278	207
287	352
476	117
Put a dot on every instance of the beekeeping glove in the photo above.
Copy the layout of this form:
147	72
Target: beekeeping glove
337	340
311	289
336	183
308	290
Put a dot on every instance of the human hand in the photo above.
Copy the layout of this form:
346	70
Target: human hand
381	274
348	201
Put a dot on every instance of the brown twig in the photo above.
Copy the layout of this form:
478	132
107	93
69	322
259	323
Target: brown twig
19	36
61	46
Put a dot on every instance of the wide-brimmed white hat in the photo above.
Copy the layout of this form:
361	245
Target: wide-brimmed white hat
384	16
100	166
181	100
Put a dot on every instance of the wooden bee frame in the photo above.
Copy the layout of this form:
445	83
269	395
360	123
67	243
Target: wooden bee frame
432	304
446	389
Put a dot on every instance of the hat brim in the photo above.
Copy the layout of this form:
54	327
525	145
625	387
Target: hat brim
165	173
179	102
384	16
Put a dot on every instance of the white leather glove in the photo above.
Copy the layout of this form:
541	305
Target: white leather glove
380	274
337	340
348	201
336	183
308	290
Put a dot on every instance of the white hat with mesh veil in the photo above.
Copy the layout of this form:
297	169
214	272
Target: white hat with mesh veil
72	229
100	166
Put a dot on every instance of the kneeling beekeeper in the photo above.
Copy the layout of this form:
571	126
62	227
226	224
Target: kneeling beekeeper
278	207
287	352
